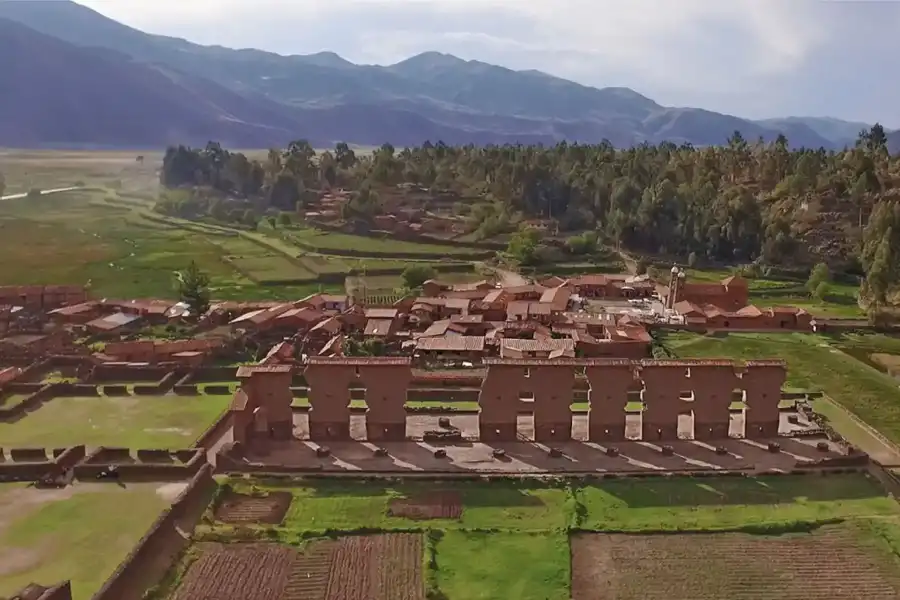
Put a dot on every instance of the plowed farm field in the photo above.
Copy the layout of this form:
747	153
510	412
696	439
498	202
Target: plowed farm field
829	563
382	567
241	508
376	567
238	572
431	505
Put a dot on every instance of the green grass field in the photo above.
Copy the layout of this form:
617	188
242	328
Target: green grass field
134	422
840	302
487	566
512	538
814	363
322	241
80	533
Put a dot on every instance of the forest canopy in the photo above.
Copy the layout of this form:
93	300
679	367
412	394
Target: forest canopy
736	203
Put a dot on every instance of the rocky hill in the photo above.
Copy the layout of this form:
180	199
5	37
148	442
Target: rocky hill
260	98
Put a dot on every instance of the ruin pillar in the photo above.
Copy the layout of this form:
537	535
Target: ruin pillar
713	384
664	382
552	388
762	381
329	398
386	386
608	397
269	387
498	403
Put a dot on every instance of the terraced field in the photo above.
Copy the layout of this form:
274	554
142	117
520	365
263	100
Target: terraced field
829	563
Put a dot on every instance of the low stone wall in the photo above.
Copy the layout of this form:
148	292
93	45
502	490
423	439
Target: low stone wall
152	464
215	431
186	390
128	372
42	394
231	465
157	551
210	374
33	591
34	464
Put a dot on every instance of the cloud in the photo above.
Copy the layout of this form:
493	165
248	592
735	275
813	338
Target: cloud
749	57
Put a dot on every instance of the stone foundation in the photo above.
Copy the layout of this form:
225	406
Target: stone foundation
497	432
659	432
606	432
333	431
553	432
768	429
385	432
710	431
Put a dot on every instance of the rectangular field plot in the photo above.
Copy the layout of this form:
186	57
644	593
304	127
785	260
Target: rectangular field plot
350	505
80	533
373	567
829	563
489	566
726	503
272	267
132	421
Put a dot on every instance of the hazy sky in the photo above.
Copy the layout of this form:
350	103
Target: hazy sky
753	58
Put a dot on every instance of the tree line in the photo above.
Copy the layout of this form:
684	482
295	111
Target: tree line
741	202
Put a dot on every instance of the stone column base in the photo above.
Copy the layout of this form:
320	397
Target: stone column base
658	432
333	431
385	432
497	432
767	429
710	431
553	432
607	432
283	430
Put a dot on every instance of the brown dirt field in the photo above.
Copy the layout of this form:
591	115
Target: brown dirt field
240	508
824	565
310	572
238	572
433	505
377	567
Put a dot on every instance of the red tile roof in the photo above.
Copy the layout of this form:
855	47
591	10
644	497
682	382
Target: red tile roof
451	343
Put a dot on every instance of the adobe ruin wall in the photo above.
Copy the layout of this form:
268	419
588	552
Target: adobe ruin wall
157	551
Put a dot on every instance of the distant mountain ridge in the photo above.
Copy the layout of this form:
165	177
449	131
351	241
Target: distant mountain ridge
254	97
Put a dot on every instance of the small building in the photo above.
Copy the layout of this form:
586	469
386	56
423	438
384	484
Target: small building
545	348
114	323
451	347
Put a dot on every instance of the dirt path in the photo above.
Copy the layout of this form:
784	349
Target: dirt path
43	193
509	278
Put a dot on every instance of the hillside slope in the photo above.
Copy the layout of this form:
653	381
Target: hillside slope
427	97
58	93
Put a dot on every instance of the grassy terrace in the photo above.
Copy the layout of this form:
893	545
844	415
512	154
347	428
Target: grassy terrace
135	422
323	241
841	301
814	363
512	539
80	533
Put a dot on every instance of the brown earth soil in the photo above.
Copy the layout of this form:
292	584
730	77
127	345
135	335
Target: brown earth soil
827	564
433	505
240	508
238	572
378	567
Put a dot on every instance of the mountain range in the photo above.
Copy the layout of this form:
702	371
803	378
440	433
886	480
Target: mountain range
82	79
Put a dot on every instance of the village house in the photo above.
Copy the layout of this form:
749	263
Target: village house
189	352
730	294
709	316
543	348
42	297
451	347
115	323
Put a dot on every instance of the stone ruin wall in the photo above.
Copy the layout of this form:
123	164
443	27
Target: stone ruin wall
669	388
